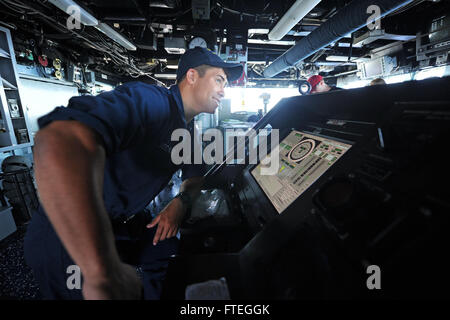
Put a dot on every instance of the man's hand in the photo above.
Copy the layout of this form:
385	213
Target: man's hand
122	283
168	220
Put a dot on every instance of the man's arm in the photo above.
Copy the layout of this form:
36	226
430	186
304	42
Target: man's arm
69	168
170	218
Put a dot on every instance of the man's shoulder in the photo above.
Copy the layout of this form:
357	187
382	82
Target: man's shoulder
144	87
154	101
147	95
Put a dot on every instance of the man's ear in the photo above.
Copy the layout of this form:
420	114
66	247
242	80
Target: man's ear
191	76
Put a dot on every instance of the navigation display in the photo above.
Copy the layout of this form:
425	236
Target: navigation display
303	159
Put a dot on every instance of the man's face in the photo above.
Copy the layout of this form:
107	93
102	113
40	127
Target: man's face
322	87
209	89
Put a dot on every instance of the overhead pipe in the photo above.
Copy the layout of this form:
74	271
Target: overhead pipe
352	17
69	6
295	13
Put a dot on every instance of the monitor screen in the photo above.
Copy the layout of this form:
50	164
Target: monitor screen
303	159
374	68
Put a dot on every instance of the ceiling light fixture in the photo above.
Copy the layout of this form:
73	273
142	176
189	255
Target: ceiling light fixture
169	76
88	20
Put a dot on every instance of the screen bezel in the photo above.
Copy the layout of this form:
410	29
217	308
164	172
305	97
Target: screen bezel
285	133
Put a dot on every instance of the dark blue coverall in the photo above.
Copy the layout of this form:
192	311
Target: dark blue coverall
135	121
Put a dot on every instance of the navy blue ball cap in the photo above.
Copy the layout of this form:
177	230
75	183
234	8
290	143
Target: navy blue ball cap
197	56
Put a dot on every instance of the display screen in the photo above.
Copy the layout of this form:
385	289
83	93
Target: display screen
303	159
373	68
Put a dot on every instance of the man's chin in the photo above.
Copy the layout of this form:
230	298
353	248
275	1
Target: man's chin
212	109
